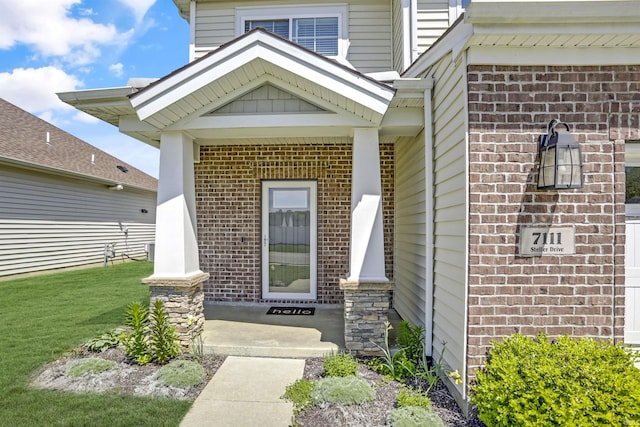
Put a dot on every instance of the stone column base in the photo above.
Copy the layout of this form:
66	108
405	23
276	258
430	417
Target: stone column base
183	299
366	310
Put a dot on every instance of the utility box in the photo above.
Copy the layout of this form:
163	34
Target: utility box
150	249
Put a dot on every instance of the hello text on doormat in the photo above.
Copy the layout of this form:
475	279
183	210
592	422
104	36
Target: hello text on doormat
292	311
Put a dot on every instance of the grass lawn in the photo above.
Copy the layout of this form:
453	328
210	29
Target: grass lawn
43	317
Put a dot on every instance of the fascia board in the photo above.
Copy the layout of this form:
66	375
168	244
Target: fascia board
551	11
579	56
259	45
115	95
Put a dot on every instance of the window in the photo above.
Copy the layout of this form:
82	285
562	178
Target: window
318	28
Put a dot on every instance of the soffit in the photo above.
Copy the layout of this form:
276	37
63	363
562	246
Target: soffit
257	58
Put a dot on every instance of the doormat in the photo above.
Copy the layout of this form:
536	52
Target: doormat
292	311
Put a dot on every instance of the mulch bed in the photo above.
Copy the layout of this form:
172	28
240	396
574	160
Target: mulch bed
375	413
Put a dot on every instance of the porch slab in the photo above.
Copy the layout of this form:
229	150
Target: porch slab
233	330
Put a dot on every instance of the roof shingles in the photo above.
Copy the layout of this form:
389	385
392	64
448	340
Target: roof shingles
23	139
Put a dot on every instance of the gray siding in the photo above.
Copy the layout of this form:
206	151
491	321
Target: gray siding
49	221
268	99
433	21
410	238
369	29
450	211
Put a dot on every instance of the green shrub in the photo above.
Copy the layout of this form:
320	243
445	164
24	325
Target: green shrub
103	342
340	365
181	374
411	340
164	342
94	365
135	342
396	366
569	382
299	393
342	391
410	397
414	416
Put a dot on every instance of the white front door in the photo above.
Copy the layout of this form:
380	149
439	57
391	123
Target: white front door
289	240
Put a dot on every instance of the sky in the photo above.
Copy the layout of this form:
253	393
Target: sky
50	46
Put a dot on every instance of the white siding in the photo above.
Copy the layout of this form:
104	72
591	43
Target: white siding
450	207
410	210
369	29
49	221
433	21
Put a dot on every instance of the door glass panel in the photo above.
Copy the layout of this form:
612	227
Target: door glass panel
289	269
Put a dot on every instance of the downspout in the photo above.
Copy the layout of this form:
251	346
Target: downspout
409	32
413	13
429	227
192	31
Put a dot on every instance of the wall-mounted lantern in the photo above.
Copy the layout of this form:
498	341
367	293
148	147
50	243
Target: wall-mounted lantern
560	159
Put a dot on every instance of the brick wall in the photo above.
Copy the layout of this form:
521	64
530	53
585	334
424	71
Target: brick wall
581	294
228	197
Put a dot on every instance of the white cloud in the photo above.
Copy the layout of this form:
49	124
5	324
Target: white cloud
139	7
83	117
48	28
34	89
116	69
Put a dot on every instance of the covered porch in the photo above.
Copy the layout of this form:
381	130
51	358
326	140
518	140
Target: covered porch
247	330
256	114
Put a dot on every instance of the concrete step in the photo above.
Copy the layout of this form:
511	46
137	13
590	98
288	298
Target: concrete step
249	331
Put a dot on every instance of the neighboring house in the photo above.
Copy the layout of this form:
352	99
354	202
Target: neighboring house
402	139
59	199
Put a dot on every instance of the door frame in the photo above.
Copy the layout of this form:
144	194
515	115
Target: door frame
312	185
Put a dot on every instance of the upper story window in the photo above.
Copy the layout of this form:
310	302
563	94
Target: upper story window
318	28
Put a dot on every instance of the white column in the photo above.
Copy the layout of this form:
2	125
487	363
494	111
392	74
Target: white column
176	252
367	232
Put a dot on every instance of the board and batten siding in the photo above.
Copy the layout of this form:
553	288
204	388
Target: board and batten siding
369	29
433	21
410	238
450	213
49	221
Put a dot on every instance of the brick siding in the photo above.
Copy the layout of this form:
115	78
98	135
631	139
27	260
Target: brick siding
581	294
228	197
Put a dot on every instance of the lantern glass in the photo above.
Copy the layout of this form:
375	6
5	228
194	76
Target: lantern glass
560	160
569	167
546	178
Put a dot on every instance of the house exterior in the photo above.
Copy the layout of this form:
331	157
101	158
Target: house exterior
56	207
358	147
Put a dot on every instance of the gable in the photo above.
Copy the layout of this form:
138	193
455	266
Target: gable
267	99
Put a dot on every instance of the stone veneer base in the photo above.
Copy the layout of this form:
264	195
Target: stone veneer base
366	312
183	299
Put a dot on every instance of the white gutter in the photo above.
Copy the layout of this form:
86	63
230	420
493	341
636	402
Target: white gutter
429	247
413	13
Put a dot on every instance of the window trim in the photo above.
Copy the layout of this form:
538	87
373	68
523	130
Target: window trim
456	8
334	10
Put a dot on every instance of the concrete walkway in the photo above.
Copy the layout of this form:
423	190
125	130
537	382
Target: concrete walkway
245	392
